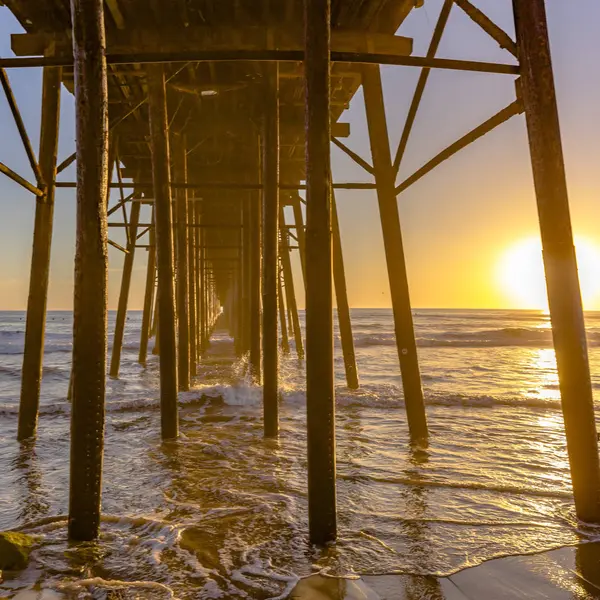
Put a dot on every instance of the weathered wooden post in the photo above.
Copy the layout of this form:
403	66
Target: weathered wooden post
164	249
148	295
198	284
115	360
192	275
91	269
285	342
270	242
288	280
394	253
255	288
33	356
564	297
183	321
300	233
246	262
320	397
343	307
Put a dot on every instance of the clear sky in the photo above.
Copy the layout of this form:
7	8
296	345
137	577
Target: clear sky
466	226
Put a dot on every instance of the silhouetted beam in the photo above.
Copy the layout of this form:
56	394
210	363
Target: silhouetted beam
164	245
117	246
343	306
148	299
300	232
394	254
270	243
355	157
20	180
183	321
560	264
273	56
320	396
422	82
115	360
501	117
31	377
14	109
224	186
91	270
503	39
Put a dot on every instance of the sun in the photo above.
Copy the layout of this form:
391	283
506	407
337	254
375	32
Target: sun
520	273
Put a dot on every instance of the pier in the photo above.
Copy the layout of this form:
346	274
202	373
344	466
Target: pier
212	124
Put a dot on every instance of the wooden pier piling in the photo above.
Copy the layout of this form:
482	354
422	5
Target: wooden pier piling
290	292
31	377
255	288
343	306
270	244
320	397
394	253
91	270
285	341
183	320
148	297
115	360
164	250
564	297
192	277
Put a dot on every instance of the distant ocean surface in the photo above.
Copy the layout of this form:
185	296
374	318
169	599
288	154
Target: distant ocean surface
222	513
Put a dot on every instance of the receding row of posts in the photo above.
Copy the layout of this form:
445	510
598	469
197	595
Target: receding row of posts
181	302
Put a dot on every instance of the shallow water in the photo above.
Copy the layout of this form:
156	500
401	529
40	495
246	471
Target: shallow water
221	513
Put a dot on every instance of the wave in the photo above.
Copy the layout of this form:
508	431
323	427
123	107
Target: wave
374	396
489	338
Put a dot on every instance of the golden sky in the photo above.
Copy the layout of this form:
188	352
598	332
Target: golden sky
458	223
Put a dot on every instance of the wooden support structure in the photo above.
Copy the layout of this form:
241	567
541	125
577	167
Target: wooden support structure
290	292
564	297
91	270
246	268
255	288
148	297
31	377
285	341
394	253
320	396
192	277
199	285
164	250
300	232
183	320
343	306
270	243
115	361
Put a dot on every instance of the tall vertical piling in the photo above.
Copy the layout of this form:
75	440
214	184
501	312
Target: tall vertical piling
148	296
183	320
246	266
343	306
320	397
91	269
300	232
270	238
31	378
285	341
255	288
115	360
290	292
394	253
192	275
164	249
564	297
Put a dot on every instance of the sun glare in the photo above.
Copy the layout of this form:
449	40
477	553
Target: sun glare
521	273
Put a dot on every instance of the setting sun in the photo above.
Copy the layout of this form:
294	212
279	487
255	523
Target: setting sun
521	273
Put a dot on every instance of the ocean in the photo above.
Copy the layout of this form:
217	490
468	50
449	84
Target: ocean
222	512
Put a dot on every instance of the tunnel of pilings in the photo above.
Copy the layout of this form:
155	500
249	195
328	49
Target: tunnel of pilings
213	123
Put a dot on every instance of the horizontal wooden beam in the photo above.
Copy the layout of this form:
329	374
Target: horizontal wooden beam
217	39
224	185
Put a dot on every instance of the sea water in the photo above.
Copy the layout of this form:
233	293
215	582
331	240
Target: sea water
222	512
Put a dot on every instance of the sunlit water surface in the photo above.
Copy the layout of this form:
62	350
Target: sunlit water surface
222	513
